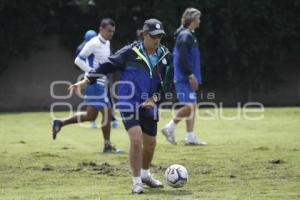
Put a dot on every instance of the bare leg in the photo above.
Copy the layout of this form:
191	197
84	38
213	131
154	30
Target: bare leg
188	112
90	115
191	119
106	119
149	143
135	150
183	112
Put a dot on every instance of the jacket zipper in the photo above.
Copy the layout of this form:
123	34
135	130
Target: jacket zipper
147	61
151	76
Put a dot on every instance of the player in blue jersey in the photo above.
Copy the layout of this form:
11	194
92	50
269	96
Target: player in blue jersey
187	76
94	52
87	36
144	67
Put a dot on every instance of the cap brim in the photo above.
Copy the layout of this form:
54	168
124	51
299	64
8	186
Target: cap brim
157	32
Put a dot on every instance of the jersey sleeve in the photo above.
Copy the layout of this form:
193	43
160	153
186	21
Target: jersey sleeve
121	56
87	50
83	55
185	44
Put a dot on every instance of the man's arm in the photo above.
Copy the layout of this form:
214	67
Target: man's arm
80	60
82	64
116	62
185	45
103	69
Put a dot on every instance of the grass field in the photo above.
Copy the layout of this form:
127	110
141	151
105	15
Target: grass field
244	160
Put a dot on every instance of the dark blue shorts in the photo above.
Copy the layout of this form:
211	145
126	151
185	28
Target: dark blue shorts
148	124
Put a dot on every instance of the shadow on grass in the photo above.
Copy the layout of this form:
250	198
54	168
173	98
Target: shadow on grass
168	191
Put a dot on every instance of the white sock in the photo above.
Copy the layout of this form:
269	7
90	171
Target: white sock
190	134
171	124
137	179
107	142
145	173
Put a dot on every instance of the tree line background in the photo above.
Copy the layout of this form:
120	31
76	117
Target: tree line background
242	41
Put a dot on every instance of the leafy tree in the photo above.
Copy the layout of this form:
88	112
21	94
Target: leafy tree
22	23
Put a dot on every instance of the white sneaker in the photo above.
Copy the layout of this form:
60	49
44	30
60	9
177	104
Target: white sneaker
152	182
169	134
193	140
137	188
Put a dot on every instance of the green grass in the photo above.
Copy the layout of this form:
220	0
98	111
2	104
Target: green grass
239	162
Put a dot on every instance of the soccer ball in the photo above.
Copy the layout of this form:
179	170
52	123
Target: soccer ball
176	176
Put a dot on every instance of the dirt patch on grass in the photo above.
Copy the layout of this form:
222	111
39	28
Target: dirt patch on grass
103	168
44	154
47	167
67	148
276	161
261	149
296	149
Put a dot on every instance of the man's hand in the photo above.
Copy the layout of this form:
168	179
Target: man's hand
193	82
149	103
77	86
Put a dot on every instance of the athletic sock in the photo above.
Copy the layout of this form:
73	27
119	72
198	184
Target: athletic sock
171	124
145	173
137	180
190	134
107	142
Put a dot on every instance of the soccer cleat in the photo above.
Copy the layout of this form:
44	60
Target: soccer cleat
93	124
193	140
56	126
169	134
114	124
152	182
111	149
137	188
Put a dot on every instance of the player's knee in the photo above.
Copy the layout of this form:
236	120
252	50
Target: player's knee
151	145
91	116
136	141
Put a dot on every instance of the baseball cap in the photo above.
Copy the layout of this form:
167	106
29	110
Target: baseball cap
89	35
153	27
